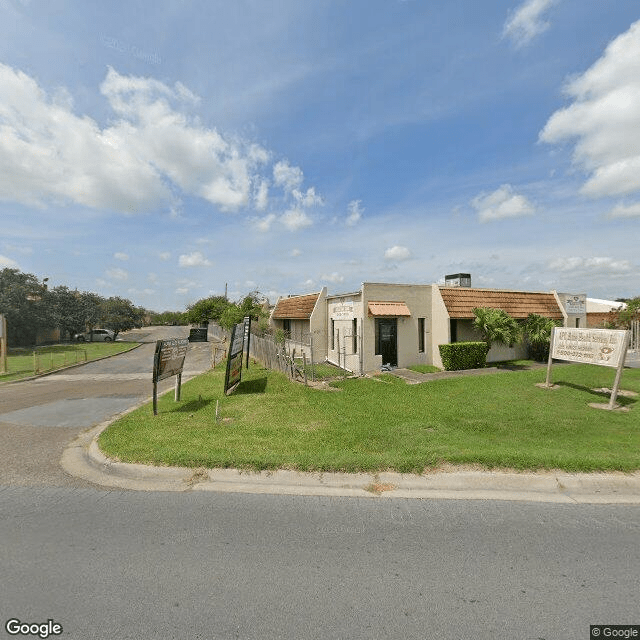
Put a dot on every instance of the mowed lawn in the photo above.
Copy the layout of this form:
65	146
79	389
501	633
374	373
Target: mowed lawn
21	362
373	424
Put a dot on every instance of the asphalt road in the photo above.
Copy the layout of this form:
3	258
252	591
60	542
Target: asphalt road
127	564
158	565
39	418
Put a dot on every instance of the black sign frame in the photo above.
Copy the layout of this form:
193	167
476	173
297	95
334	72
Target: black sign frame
168	361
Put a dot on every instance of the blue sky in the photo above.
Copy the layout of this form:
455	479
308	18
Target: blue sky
160	150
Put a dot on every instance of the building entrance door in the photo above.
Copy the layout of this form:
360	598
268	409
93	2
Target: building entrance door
387	340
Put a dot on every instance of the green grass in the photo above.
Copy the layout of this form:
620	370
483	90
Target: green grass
20	362
496	421
424	368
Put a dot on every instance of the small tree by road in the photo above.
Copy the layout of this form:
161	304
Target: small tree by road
119	314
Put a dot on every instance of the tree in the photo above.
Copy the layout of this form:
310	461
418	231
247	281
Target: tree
632	312
207	310
23	303
537	331
496	325
119	314
69	310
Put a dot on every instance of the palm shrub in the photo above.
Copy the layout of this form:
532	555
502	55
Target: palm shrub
496	325
537	331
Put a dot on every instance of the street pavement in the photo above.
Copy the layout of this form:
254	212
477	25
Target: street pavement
40	417
135	552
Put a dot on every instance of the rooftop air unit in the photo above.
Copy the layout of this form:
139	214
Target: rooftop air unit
458	280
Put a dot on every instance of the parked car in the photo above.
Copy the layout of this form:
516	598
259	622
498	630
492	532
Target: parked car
97	335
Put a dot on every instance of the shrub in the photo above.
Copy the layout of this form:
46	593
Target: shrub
463	355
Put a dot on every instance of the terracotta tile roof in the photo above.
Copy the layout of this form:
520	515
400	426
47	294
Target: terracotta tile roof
460	302
295	307
388	309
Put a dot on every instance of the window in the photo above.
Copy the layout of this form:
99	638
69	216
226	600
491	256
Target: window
354	332
333	335
421	335
577	323
286	326
453	327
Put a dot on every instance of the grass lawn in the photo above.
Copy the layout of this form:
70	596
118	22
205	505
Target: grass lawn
424	368
374	424
20	362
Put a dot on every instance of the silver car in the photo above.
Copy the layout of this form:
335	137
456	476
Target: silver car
97	335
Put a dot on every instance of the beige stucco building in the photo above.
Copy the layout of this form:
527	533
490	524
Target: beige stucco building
404	324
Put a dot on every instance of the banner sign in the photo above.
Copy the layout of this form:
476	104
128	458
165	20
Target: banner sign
169	358
235	358
604	347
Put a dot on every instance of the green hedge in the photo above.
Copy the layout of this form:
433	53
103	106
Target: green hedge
463	355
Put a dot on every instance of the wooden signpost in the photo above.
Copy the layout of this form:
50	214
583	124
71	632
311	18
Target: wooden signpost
3	343
168	361
602	347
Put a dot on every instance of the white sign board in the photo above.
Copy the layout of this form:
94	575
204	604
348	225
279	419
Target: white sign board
604	347
343	311
576	305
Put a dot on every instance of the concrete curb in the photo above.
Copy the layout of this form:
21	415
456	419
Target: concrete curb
84	459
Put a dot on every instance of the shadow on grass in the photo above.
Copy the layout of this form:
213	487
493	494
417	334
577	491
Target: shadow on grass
252	386
620	399
193	405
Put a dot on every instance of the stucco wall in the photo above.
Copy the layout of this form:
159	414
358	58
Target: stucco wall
343	348
418	300
440	329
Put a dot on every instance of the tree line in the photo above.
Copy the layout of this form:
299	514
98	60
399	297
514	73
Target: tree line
31	307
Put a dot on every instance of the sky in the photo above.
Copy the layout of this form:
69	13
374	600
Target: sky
168	151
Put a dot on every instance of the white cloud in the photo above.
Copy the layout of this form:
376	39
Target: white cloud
598	264
150	151
604	119
527	21
295	253
264	224
308	199
397	254
332	277
8	263
502	203
295	219
625	211
117	274
121	256
286	176
262	195
355	212
194	259
164	256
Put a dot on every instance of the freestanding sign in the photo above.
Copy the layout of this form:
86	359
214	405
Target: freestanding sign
234	359
168	361
603	347
247	336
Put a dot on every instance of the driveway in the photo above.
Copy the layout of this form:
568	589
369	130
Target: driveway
39	418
